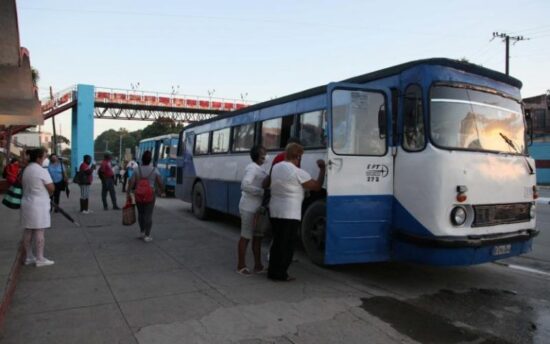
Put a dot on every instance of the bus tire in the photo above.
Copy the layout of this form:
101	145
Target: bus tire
198	203
313	231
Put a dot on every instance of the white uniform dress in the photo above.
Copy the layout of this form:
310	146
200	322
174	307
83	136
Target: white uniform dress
287	192
35	204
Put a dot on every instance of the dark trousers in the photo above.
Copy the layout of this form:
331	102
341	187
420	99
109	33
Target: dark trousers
57	191
145	216
107	185
282	249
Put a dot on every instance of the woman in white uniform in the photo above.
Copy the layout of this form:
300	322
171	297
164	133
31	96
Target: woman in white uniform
35	207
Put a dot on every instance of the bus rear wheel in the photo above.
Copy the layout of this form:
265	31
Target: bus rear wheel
198	204
314	231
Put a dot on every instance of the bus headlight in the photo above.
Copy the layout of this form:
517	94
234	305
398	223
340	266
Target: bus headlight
533	211
458	216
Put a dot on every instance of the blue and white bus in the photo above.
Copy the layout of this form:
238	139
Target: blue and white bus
163	149
426	162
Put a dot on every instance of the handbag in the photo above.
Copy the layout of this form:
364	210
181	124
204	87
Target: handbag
262	223
128	213
12	197
80	178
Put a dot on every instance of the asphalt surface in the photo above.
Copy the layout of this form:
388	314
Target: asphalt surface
108	287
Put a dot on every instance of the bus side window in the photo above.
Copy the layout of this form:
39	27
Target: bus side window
276	132
243	137
201	144
413	121
312	132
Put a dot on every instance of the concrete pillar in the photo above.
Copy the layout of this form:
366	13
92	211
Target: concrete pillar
82	138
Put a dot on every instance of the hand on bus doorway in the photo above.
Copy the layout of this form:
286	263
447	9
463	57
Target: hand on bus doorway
321	163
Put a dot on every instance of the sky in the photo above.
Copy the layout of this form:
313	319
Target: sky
266	49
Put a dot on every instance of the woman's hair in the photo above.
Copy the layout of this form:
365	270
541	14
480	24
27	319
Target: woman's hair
35	154
52	155
87	157
146	158
256	151
293	151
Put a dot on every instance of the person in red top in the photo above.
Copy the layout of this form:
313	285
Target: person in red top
11	171
87	168
107	177
277	159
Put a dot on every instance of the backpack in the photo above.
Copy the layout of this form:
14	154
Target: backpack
144	193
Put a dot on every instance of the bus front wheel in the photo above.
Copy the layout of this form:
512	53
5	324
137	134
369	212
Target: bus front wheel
314	231
198	204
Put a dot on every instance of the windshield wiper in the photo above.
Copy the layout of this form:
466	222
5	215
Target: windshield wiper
511	144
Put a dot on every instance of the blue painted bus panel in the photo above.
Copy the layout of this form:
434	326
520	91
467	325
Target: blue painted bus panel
541	151
358	229
405	222
234	197
216	194
408	252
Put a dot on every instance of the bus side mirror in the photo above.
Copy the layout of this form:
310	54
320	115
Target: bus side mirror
382	122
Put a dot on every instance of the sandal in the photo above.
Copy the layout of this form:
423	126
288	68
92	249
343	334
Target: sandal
244	271
263	270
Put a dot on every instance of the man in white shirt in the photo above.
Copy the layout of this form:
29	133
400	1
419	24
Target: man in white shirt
288	183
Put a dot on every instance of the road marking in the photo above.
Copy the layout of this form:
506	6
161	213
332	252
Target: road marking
524	268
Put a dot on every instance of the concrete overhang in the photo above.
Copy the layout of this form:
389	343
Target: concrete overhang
19	104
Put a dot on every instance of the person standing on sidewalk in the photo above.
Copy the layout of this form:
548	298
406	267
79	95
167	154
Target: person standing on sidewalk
128	173
11	171
142	184
288	183
107	177
35	207
251	199
59	178
86	168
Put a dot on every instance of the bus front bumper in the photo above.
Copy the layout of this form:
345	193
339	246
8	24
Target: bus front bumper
450	251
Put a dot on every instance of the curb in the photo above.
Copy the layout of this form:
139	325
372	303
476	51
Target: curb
11	284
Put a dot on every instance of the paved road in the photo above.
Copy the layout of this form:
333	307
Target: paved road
108	287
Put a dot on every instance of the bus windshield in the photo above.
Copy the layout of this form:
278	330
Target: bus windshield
469	119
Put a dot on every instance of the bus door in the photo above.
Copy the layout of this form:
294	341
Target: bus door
156	151
359	176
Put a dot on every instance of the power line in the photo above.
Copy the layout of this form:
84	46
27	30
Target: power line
506	38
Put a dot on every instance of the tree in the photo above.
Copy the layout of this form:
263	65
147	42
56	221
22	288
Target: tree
63	139
161	126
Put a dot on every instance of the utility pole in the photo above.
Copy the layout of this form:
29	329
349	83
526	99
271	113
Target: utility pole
506	38
54	141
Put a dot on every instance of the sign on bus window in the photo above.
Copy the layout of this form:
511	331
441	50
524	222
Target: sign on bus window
355	123
243	137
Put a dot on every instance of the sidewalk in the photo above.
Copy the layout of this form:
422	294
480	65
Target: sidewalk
108	287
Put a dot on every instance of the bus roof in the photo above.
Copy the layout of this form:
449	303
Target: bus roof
167	136
379	74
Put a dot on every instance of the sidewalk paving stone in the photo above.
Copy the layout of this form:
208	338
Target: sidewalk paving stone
59	294
140	285
97	324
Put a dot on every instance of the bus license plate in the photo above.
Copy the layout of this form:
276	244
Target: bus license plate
502	249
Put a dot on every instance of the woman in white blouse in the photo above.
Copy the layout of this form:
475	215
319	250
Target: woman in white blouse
288	182
35	207
251	199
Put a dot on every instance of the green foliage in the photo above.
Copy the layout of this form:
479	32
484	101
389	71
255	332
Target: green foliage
161	126
62	139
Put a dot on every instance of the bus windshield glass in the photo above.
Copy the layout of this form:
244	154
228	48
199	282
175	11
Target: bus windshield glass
464	118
